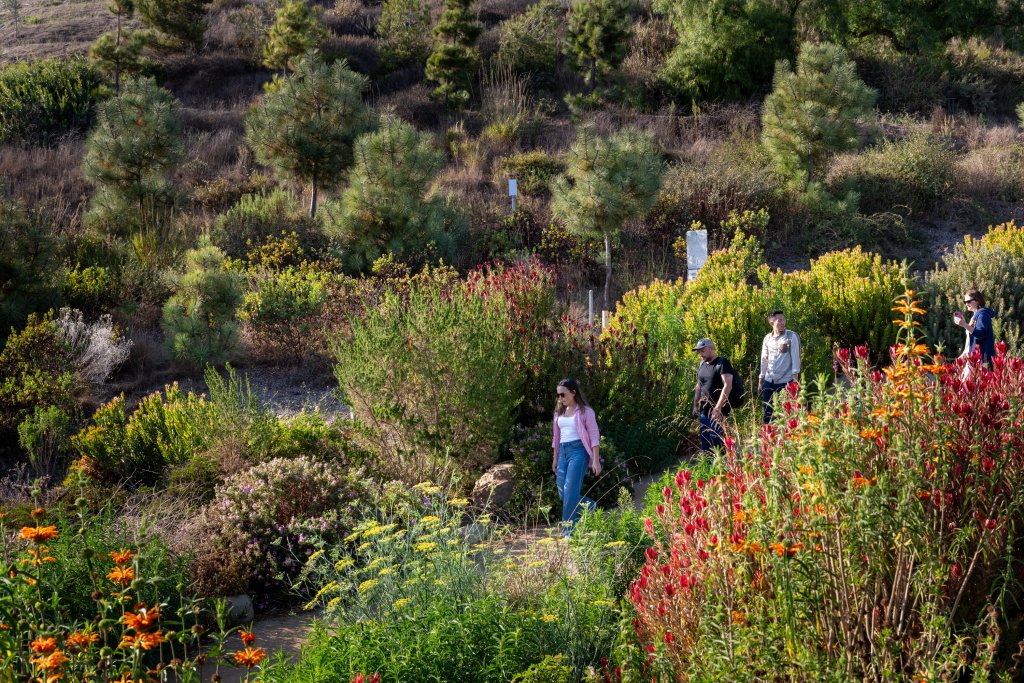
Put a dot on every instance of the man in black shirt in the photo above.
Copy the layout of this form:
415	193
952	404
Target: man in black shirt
711	395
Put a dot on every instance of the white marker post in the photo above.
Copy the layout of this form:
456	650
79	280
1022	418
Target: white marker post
513	192
696	252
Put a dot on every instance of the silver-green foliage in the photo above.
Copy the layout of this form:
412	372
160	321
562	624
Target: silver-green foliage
812	112
608	180
199	320
530	41
404	32
305	126
386	207
136	142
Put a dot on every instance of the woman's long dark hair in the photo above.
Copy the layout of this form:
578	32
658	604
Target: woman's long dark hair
573	386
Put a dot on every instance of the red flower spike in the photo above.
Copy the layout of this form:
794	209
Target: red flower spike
861	352
793	389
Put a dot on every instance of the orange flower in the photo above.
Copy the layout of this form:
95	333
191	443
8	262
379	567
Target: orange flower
738	617
39	534
755	548
858	482
122	575
794	549
83	639
50	662
142	621
250	656
248	637
122	556
38	513
871	434
778	548
145	641
44	645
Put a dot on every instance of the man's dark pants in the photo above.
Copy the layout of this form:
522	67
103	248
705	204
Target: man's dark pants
767	392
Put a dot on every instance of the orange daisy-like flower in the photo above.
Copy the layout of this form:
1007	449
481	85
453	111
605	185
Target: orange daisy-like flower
141	621
44	646
778	548
248	637
83	639
122	556
39	534
38	513
250	656
122	575
51	662
144	641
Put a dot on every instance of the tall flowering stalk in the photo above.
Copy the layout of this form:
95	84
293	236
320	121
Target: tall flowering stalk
873	534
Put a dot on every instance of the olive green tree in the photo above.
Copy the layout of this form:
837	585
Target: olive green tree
812	112
118	53
199	320
305	126
179	23
403	31
608	179
598	33
386	208
296	32
455	58
136	142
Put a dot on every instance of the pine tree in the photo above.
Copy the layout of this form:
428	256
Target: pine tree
385	208
296	32
200	319
812	112
454	60
13	8
305	126
598	33
607	181
136	141
119	52
404	32
180	22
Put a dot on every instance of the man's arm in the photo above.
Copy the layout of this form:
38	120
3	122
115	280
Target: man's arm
795	350
722	398
764	364
696	398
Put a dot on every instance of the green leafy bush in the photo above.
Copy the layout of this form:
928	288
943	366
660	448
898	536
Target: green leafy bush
44	100
256	217
404	30
413	372
90	289
548	670
37	369
530	41
31	273
44	436
993	264
913	175
534	170
200	317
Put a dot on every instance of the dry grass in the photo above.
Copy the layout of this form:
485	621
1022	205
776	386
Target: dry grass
36	176
64	28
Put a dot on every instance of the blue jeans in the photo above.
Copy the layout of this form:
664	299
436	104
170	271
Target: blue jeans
572	466
767	392
711	433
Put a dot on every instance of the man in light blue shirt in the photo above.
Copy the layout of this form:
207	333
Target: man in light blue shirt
780	361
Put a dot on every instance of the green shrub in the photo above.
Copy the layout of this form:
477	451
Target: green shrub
256	217
90	289
992	172
534	170
548	670
37	369
30	269
283	310
404	30
42	101
530	41
43	435
200	317
993	264
913	175
412	372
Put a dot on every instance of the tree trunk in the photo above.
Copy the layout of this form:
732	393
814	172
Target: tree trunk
607	270
312	197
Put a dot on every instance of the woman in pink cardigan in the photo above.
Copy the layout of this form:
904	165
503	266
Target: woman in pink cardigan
576	445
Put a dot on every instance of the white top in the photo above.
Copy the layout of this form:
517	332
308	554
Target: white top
567	429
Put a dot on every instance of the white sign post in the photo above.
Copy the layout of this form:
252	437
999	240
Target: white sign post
513	192
696	252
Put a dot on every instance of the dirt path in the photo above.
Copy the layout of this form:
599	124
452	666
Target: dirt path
284	633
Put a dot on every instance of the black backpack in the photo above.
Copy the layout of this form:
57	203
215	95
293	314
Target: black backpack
738	394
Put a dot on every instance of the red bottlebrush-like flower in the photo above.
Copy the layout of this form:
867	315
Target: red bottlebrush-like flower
793	389
248	637
861	352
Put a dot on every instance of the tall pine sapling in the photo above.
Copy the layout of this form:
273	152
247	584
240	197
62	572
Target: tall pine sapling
454	60
812	113
598	33
305	126
118	53
296	32
607	181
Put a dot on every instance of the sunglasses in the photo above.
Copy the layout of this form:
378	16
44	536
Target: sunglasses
562	394
967	301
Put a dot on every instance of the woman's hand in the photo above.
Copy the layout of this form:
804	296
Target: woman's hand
595	460
554	463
